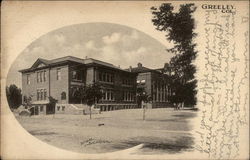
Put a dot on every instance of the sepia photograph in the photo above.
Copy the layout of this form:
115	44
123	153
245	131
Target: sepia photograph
125	80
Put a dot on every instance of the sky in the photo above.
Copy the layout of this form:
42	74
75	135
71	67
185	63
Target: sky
117	44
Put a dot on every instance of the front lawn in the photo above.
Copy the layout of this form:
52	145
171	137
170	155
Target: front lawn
163	131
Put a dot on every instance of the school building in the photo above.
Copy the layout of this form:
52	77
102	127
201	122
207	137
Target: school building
61	77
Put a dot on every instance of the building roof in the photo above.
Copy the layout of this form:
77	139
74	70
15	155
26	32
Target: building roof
59	60
91	61
67	58
160	69
87	61
141	69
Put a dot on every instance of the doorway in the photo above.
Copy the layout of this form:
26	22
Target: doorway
36	112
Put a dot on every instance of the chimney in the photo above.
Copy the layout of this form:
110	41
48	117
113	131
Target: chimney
139	65
130	68
86	57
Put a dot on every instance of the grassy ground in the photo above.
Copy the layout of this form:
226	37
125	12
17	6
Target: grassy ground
163	131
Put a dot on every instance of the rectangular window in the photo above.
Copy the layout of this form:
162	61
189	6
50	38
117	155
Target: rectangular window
45	94
104	77
112	95
74	75
41	76
100	76
37	77
103	96
125	96
58	74
44	76
127	81
112	78
38	94
108	95
77	75
107	77
41	94
41	108
28	79
162	96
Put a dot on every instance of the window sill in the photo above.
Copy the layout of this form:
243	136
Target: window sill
126	85
75	80
106	82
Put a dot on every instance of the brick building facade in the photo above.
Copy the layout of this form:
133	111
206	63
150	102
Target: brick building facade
155	83
59	78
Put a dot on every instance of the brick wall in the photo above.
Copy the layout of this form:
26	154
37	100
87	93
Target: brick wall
28	89
61	85
90	75
31	89
152	84
117	85
56	86
148	81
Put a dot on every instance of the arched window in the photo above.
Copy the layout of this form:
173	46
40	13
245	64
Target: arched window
63	96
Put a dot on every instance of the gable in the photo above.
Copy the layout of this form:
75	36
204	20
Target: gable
39	63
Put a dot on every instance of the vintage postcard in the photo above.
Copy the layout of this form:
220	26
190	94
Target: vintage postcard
125	80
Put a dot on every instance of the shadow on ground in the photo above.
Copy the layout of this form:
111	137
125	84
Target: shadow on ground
41	133
174	118
154	145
